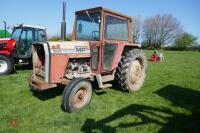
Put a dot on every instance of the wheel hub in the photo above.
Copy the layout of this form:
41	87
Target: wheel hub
135	72
80	98
3	66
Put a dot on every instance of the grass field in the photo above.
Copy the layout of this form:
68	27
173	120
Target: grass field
169	101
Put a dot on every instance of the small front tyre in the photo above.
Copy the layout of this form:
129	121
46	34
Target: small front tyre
76	95
6	65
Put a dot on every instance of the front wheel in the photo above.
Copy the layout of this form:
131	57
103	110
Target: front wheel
6	65
76	95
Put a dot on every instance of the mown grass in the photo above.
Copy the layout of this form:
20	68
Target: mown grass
169	101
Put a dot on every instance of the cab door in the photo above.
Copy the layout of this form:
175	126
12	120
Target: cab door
89	28
25	43
116	34
95	56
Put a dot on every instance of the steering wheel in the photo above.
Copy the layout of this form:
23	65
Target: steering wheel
95	35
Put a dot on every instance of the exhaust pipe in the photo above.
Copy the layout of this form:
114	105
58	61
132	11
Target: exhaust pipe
4	28
63	23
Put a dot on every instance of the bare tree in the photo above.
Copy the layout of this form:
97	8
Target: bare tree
159	30
137	29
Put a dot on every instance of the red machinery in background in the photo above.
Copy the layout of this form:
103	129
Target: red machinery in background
18	48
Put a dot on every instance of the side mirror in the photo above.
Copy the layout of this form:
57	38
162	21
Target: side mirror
80	27
43	35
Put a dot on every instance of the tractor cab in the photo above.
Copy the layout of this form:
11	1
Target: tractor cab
24	36
18	48
107	32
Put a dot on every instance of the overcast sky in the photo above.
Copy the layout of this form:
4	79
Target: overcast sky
48	13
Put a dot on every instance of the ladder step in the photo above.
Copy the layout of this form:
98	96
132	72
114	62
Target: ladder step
104	86
100	82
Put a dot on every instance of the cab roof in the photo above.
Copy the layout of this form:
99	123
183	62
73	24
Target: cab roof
102	9
31	26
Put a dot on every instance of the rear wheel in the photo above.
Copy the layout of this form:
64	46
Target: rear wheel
131	71
6	65
76	95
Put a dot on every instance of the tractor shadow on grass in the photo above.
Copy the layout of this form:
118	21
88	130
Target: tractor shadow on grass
142	114
185	98
57	91
49	94
23	67
136	111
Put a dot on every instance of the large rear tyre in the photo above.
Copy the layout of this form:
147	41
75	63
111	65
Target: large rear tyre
76	95
131	71
6	65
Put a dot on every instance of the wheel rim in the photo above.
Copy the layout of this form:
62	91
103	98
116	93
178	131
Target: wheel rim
135	72
3	66
80	98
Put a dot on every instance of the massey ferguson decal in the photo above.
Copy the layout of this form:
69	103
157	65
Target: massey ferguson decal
77	49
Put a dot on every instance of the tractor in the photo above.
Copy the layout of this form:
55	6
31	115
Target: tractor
102	50
18	48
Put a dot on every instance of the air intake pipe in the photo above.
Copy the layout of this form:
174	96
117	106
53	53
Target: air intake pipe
4	28
63	23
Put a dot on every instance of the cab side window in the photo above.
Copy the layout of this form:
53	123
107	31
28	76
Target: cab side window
23	36
29	37
25	41
41	35
116	29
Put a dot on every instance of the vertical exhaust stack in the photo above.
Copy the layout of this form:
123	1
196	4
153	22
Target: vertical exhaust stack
63	23
4	28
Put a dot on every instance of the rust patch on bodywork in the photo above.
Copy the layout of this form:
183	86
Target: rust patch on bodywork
40	85
59	63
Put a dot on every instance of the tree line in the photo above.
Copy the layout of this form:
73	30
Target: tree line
161	30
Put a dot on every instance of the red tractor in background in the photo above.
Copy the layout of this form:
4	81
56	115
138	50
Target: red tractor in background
18	48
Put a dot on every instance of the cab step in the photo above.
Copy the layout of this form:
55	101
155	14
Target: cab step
105	78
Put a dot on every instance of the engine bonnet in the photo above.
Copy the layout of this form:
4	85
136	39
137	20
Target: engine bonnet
4	39
70	47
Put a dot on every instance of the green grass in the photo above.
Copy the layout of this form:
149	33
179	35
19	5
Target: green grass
169	101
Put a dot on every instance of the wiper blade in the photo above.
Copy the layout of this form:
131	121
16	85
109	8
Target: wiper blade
92	20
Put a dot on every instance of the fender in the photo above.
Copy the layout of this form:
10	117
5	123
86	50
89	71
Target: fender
120	49
5	52
7	46
12	60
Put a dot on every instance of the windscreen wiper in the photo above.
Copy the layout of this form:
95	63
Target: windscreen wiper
92	20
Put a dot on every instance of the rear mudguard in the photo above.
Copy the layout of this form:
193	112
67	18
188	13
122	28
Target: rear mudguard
3	54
